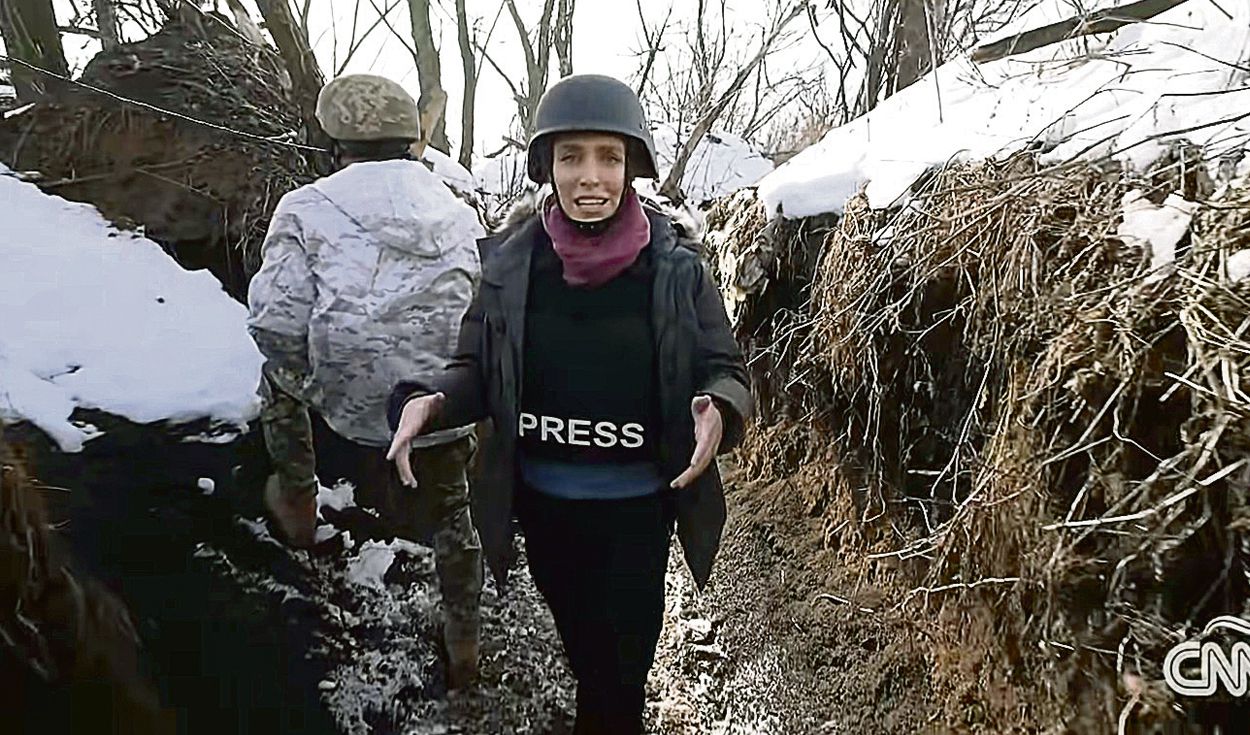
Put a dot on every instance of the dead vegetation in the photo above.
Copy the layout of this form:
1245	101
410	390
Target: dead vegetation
190	134
1048	433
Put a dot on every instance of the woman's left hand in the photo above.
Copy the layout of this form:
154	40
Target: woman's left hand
709	426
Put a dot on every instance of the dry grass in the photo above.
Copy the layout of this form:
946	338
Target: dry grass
203	192
1057	432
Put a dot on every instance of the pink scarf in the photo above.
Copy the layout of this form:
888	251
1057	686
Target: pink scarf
593	260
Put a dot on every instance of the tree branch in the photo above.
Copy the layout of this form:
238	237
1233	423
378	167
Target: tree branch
358	42
1102	21
404	41
524	34
671	187
653	43
106	21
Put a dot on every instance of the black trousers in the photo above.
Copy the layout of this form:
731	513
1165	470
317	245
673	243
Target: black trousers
600	565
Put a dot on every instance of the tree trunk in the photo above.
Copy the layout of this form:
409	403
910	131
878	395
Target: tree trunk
106	20
30	35
564	36
468	104
297	55
911	42
429	70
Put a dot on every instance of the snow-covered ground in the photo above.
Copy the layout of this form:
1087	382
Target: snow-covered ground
94	317
720	165
1126	95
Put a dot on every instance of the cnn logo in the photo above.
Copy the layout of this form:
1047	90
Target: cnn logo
1195	669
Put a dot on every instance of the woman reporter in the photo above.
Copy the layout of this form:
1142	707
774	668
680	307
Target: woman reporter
599	346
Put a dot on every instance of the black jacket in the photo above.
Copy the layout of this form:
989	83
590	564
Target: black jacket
695	349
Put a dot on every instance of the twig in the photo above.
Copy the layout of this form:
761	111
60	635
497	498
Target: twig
843	601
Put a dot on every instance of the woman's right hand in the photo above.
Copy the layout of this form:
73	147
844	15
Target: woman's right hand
416	418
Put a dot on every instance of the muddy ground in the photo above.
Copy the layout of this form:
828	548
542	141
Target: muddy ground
242	635
759	652
800	631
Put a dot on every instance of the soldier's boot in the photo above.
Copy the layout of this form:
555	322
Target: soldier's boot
294	514
460	637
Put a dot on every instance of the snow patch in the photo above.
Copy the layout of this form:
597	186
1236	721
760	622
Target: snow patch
375	558
1156	230
212	437
325	533
1143	88
720	165
502	176
1238	265
99	318
368	567
340	497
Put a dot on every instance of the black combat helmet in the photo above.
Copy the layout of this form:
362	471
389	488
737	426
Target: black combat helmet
591	103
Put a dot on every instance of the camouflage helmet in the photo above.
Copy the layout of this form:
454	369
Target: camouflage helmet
367	107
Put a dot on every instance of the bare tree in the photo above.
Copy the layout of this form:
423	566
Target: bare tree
537	52
913	52
653	42
899	41
472	56
301	64
357	37
813	110
30	35
553	32
897	50
715	103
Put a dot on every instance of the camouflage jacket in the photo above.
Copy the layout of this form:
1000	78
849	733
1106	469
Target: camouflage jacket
365	277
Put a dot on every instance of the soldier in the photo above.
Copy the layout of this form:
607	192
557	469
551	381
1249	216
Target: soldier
366	274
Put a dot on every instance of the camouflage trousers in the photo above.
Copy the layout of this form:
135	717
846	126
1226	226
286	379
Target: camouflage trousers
302	448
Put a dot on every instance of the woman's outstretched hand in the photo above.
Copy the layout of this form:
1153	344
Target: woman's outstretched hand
709	426
416	418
